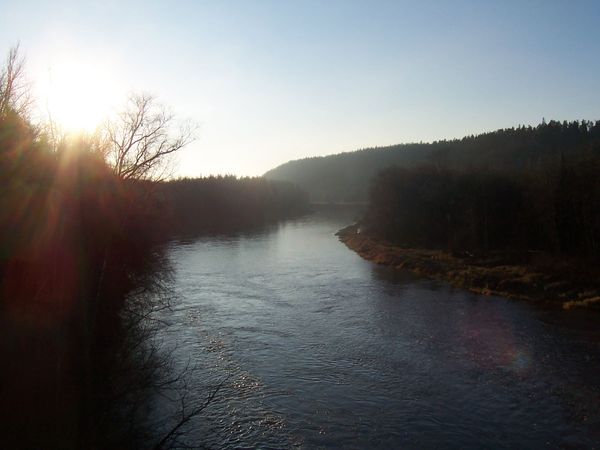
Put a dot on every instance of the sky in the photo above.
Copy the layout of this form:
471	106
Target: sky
271	81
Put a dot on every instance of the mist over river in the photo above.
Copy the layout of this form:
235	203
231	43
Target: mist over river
321	349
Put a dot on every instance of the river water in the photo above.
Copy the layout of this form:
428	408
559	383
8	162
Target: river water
321	349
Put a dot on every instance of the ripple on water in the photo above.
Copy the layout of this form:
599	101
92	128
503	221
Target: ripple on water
321	349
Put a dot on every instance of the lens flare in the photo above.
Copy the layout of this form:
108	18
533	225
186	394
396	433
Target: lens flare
492	343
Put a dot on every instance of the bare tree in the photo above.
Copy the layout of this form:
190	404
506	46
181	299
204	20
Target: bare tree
141	140
14	89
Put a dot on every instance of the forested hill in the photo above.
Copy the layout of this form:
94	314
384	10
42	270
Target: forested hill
345	177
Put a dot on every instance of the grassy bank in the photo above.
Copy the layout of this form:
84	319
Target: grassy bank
530	276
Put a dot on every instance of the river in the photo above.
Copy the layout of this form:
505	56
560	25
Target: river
321	349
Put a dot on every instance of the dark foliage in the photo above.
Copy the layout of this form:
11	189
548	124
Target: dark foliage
553	207
346	176
222	204
81	270
67	260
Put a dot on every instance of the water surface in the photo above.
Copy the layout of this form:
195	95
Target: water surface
325	350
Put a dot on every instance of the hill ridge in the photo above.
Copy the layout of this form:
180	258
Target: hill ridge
345	176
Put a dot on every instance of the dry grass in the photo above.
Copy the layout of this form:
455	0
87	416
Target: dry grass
567	283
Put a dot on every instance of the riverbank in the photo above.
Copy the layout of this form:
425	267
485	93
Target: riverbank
532	276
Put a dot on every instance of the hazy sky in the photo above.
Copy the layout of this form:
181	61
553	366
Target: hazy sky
270	81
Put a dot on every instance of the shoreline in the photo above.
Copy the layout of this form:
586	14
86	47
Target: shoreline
537	278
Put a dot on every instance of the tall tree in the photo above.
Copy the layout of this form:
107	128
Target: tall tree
143	137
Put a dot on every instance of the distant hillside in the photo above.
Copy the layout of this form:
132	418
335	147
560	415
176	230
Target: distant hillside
346	176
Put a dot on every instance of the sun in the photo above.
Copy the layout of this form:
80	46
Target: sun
79	95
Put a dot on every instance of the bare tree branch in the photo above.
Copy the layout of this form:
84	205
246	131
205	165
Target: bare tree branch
175	432
143	137
14	89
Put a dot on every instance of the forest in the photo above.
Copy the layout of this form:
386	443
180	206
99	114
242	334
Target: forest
527	228
346	177
220	204
543	197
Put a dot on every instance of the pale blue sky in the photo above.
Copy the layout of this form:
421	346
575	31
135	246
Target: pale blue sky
270	81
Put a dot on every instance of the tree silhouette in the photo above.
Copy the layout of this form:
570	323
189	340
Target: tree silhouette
143	137
14	90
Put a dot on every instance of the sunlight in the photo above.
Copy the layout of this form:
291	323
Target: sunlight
78	95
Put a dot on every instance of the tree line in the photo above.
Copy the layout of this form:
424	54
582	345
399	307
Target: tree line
219	204
530	188
346	176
